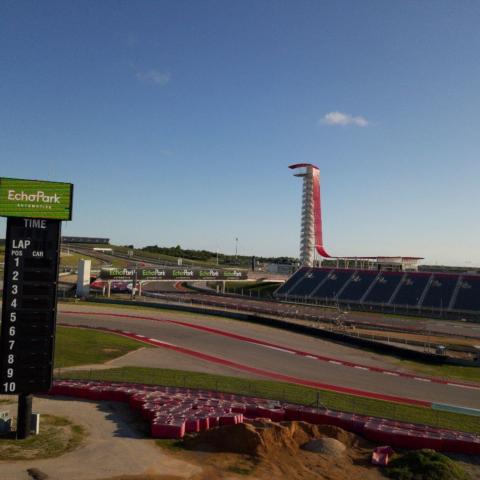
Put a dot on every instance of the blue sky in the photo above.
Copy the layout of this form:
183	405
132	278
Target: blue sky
176	120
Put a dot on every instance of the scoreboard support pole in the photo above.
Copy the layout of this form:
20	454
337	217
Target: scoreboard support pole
24	415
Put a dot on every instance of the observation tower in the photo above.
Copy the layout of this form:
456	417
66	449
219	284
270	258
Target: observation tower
311	214
311	235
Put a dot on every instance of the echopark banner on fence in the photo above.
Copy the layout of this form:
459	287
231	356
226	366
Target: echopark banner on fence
172	273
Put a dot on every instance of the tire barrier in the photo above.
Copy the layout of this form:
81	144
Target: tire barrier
173	412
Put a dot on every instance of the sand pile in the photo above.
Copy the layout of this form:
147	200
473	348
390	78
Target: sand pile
288	450
262	438
327	446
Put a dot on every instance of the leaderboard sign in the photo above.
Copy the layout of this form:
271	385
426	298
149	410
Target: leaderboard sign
173	274
30	281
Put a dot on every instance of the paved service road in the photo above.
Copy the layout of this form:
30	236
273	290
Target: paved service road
268	358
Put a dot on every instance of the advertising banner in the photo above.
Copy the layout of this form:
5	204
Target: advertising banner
35	199
173	273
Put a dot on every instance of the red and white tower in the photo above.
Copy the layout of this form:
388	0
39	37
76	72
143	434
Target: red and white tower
311	227
311	236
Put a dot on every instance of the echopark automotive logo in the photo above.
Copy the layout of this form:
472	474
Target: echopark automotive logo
37	200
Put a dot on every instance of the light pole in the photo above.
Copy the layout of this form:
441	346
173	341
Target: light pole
236	248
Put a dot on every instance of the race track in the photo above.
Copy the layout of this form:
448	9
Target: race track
276	356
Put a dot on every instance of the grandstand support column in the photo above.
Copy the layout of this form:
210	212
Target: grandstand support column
397	288
453	298
425	291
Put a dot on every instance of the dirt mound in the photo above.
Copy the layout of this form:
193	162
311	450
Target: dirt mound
241	438
287	450
326	446
261	438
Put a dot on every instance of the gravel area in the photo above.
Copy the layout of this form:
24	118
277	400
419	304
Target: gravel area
114	446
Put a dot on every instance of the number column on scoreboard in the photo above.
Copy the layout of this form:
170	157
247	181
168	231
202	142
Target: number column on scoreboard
29	305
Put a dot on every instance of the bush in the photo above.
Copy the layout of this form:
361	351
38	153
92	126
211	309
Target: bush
425	465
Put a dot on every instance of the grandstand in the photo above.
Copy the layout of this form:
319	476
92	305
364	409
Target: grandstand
93	240
430	293
373	283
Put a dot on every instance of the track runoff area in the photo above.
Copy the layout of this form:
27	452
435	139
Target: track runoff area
274	354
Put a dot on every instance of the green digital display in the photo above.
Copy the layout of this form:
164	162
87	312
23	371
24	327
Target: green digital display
35	199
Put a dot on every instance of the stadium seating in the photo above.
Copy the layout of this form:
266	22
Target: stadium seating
411	289
310	281
333	284
468	297
283	290
358	285
384	287
432	293
440	291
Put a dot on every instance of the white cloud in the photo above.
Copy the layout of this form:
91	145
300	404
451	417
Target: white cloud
339	118
154	76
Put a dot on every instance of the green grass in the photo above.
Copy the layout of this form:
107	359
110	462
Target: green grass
160	256
57	436
74	257
253	288
171	444
284	392
148	310
425	465
76	346
446	371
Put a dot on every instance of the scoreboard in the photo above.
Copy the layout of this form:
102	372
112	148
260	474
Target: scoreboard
29	305
34	210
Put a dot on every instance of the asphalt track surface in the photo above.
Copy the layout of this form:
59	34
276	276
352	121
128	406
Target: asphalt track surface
159	326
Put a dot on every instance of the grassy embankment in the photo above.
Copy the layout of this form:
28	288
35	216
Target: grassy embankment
76	346
252	289
71	260
162	257
57	436
471	374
